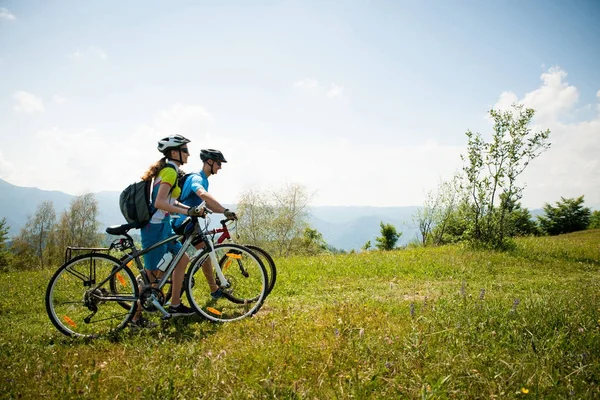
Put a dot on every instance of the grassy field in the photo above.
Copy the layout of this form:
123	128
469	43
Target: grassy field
417	323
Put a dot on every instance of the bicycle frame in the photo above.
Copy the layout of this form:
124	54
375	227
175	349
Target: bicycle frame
135	254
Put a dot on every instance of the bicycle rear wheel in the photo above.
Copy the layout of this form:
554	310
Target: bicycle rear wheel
268	262
248	282
79	305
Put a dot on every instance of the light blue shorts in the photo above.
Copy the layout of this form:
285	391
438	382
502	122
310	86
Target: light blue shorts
153	233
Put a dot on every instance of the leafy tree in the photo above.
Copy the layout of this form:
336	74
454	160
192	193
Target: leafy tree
521	222
312	242
456	226
5	255
595	220
569	215
389	237
433	217
366	246
335	250
491	171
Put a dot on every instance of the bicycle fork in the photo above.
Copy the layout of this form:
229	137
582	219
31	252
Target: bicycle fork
217	266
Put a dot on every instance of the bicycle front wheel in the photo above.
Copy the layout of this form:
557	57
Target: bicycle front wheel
268	262
247	278
81	302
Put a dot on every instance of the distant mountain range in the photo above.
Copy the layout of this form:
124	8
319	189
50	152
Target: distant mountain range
345	228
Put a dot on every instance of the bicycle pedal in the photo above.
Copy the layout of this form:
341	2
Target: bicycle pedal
166	317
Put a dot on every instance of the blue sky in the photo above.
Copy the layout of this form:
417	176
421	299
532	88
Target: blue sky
363	103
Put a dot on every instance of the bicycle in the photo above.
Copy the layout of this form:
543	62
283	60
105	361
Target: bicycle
265	257
262	254
95	294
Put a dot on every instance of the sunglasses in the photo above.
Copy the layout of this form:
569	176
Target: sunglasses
184	150
218	162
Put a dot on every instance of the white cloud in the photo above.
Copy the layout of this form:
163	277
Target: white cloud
335	91
76	55
339	171
59	99
506	100
550	101
28	103
4	13
7	168
307	83
95	161
90	53
98	52
312	85
571	167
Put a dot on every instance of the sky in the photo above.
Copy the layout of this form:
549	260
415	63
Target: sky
362	103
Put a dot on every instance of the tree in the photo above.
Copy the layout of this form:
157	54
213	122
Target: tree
33	243
491	171
5	255
78	226
275	220
255	215
312	242
366	246
389	237
456	227
569	215
594	220
291	215
521	223
433	217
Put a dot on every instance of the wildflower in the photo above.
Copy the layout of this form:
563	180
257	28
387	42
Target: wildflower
412	309
463	289
481	294
515	304
361	332
524	390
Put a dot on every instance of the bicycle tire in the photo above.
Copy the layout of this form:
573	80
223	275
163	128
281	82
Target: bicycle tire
247	291
78	307
269	265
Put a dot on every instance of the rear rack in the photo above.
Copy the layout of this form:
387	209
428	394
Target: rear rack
70	249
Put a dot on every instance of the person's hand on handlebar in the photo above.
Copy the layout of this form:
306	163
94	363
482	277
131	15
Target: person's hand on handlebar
229	214
197	211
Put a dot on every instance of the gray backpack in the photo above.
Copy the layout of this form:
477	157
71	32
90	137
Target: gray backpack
136	204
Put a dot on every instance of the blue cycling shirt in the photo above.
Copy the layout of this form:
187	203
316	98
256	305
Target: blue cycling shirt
188	193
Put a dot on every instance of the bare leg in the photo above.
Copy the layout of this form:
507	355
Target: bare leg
177	277
207	269
153	276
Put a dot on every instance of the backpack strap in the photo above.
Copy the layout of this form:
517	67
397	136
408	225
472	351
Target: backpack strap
167	165
181	181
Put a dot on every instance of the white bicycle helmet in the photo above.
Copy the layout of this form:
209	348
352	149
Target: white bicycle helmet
171	142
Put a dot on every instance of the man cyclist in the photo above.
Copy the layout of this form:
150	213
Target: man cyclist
194	192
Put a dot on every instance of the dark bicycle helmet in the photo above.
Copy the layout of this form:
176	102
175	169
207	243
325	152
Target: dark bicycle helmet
171	142
212	154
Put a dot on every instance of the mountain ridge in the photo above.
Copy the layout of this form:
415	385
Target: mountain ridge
343	227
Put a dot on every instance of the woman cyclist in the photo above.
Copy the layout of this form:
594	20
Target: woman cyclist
165	191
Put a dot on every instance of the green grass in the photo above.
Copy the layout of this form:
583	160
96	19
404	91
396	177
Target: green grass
418	323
